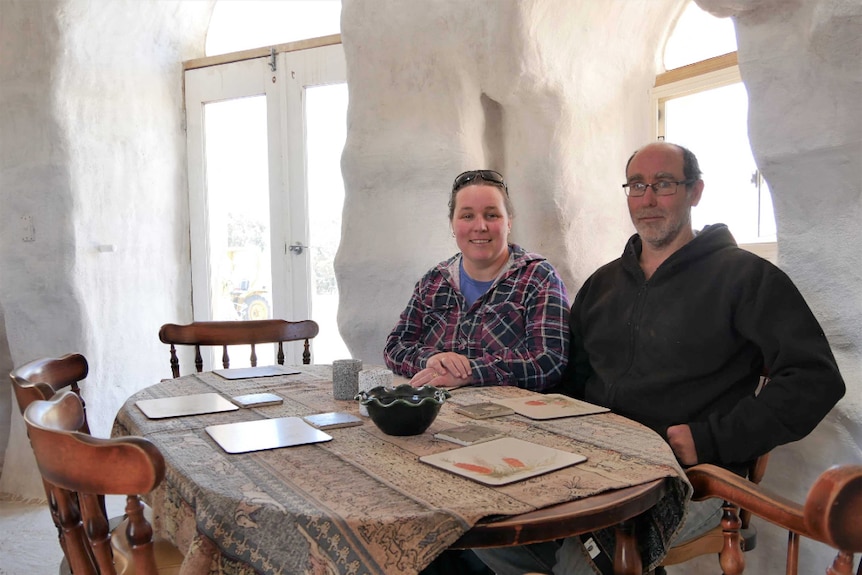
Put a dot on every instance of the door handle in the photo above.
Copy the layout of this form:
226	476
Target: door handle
296	248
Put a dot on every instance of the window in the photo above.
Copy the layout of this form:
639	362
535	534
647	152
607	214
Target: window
246	24
266	133
703	106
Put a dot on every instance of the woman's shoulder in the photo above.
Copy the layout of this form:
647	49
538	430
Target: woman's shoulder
523	257
537	261
536	269
443	270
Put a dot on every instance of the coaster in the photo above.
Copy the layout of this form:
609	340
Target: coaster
551	406
257	400
484	410
197	404
250	372
502	461
245	436
332	420
469	434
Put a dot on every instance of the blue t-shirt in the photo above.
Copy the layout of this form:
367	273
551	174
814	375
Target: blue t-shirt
471	288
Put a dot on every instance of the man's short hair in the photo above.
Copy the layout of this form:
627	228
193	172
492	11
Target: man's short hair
690	166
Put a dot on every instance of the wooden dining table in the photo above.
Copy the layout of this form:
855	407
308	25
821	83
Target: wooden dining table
364	503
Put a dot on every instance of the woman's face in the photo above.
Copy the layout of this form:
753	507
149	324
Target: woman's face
481	225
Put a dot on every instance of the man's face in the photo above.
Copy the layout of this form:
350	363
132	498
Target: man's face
660	220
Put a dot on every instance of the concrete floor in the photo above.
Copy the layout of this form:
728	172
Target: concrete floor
28	538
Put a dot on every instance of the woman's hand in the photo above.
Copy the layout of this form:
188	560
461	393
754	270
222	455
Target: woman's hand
429	376
445	369
452	363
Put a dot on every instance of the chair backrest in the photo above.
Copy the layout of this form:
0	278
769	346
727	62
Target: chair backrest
831	513
79	468
41	378
225	333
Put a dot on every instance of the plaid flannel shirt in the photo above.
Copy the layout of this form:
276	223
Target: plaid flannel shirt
517	333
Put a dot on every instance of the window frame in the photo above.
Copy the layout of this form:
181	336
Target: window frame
699	77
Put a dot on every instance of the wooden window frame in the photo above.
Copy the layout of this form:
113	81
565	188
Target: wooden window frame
698	77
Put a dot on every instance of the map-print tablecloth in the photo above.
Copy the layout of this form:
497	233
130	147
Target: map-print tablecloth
363	503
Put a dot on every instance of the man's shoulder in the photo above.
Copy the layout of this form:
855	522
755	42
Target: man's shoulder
608	270
740	260
609	278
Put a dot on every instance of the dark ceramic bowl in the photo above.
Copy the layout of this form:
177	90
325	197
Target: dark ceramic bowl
403	410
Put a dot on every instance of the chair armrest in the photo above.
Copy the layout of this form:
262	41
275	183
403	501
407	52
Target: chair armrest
833	508
712	481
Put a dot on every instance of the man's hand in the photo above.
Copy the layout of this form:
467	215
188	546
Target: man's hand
680	440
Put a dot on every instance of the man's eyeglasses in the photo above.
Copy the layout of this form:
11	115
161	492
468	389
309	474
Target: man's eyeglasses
660	188
489	176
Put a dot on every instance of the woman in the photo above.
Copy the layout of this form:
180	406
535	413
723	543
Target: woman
492	314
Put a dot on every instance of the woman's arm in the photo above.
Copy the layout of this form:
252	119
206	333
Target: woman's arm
425	327
537	360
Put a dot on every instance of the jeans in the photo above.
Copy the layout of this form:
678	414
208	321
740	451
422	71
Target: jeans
570	557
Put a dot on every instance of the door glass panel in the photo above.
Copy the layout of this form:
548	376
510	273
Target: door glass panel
247	194
713	125
237	182
325	117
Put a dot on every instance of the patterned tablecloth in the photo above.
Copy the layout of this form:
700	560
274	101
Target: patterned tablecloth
363	503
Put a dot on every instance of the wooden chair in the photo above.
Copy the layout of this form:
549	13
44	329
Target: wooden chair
225	333
712	542
40	379
79	468
831	514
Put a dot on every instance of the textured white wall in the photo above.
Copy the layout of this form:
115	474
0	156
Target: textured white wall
93	150
37	280
552	93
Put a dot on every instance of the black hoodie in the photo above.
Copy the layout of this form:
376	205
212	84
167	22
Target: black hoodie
689	346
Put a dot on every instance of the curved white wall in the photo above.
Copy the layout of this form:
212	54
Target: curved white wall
534	89
93	151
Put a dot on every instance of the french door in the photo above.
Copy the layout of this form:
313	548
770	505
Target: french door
264	143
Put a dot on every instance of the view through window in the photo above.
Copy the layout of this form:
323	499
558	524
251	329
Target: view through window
238	246
709	115
243	262
237	173
238	25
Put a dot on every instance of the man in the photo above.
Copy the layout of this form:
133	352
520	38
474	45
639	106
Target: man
676	333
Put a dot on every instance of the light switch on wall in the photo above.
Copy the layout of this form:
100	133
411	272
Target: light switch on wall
28	231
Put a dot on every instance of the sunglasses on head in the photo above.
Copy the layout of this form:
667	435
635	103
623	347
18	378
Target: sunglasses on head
489	176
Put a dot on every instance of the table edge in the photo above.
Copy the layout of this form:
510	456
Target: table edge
566	519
